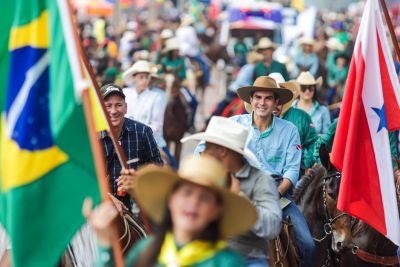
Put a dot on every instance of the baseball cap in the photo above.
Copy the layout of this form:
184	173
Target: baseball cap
110	89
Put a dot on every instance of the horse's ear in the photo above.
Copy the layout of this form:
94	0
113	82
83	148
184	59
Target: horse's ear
324	156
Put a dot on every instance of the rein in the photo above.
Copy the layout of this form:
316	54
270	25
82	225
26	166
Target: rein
329	221
372	258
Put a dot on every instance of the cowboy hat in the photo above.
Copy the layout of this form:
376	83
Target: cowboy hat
140	66
166	34
306	40
334	44
265	83
187	20
291	85
227	133
171	44
306	78
154	184
265	43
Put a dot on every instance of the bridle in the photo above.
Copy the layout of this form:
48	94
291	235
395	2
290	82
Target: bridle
329	220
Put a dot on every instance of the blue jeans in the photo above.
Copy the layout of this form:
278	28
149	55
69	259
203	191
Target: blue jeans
304	241
256	262
204	66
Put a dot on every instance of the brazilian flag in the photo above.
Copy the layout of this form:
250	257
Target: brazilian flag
47	168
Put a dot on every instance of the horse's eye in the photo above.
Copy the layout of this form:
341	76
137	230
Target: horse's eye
331	195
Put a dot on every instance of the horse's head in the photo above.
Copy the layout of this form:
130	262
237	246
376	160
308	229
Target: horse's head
172	84
336	221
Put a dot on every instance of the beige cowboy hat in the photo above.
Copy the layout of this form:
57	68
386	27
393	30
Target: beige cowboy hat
265	83
154	184
140	66
187	20
253	57
293	86
306	78
171	44
306	41
334	44
265	43
166	34
227	133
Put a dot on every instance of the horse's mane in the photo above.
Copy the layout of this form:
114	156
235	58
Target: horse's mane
315	175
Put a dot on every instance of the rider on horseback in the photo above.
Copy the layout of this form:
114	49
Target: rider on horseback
277	145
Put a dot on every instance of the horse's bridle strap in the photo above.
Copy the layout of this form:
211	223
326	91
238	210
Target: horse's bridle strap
371	258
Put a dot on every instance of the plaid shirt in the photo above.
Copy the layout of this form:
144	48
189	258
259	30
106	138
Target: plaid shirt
137	141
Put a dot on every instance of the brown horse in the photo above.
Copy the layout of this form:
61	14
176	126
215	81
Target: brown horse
316	196
177	114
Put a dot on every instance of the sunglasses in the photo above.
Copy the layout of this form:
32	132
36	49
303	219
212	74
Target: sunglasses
304	88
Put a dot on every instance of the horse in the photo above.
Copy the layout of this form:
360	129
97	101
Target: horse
316	196
178	114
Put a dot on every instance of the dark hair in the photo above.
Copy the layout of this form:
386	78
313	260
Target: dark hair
149	256
276	96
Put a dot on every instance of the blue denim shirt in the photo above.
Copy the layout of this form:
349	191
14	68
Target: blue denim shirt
278	149
320	117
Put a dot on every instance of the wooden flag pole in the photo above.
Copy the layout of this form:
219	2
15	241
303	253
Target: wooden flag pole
118	149
97	154
391	30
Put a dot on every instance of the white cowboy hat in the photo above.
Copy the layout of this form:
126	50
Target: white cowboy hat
306	78
227	133
265	83
128	36
171	44
154	184
291	85
265	43
335	44
166	34
140	66
306	41
187	20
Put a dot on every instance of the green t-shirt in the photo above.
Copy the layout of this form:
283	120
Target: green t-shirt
307	132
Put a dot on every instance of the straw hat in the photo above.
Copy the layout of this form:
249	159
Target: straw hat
265	43
166	34
253	57
154	184
171	44
334	44
306	41
187	20
306	78
140	66
227	133
265	83
293	86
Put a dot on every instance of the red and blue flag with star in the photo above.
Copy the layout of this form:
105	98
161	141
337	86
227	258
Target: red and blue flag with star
361	149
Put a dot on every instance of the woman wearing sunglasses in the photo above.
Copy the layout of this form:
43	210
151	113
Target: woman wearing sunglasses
308	102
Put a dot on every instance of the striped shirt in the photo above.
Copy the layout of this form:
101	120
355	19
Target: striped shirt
138	142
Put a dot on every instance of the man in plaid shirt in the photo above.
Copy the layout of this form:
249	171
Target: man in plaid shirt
135	138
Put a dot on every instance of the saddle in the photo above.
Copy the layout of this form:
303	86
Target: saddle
282	250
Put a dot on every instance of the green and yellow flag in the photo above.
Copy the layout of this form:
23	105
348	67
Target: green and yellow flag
47	168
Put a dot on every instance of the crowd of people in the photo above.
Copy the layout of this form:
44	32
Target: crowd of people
224	205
